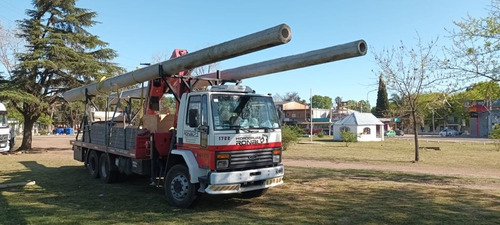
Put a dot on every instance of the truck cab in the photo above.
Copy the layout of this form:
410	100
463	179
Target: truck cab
233	138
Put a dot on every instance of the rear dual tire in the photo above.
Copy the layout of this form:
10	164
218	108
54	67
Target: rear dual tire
107	170
102	167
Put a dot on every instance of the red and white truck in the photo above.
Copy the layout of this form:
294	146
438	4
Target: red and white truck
221	139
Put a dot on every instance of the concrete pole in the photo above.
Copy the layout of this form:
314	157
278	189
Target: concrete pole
325	55
277	35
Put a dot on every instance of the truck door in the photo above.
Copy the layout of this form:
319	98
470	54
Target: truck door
196	131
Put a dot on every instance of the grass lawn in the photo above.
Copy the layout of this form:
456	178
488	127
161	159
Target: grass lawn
395	151
65	194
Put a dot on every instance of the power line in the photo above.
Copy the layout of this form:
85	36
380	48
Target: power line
10	12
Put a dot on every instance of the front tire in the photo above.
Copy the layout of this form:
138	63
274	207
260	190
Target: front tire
180	192
93	164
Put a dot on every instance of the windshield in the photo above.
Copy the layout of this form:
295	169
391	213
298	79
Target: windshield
242	111
3	119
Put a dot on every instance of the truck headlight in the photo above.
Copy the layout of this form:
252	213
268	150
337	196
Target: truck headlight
222	164
222	161
276	156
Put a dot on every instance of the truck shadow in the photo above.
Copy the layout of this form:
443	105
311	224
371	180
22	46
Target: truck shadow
71	188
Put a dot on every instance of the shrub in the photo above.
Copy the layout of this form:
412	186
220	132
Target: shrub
321	134
347	137
289	136
495	134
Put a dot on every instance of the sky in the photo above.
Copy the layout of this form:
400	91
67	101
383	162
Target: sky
140	30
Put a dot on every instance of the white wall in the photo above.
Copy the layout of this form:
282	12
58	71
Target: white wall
336	131
367	137
358	131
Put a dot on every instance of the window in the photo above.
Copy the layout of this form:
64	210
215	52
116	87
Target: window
345	129
204	111
3	119
366	130
195	102
243	111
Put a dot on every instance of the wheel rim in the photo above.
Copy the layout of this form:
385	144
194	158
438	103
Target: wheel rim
179	187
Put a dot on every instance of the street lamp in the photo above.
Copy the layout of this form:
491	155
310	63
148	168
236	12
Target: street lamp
367	98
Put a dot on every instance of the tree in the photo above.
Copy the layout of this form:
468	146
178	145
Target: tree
395	105
488	91
495	134
293	97
168	104
321	102
410	72
290	135
277	98
347	137
382	100
434	107
60	54
10	45
338	102
364	106
476	47
70	113
360	106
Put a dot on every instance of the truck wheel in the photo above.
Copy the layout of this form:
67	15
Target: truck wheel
254	193
106	171
93	164
179	190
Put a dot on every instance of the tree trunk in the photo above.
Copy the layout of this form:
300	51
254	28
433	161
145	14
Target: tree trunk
415	132
27	133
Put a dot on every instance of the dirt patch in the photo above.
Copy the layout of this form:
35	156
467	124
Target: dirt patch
49	143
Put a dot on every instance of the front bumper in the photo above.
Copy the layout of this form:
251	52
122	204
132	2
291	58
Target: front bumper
4	146
247	180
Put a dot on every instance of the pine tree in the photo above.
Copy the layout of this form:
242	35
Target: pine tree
60	54
382	100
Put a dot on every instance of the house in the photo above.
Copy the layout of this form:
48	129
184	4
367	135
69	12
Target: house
364	125
483	115
297	114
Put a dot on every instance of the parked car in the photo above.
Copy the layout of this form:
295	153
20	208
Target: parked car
448	132
390	133
400	132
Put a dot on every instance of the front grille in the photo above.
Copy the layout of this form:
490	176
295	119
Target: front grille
4	137
250	159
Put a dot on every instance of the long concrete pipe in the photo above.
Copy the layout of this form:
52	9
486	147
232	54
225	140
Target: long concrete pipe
277	35
325	55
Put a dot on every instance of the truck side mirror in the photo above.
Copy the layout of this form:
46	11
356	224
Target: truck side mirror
193	118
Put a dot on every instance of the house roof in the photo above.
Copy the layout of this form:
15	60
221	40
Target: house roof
357	118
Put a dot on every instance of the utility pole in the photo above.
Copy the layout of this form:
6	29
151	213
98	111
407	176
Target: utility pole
433	127
311	94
